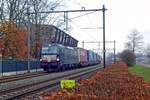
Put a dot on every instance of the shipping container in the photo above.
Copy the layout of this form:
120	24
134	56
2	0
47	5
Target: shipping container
95	59
90	57
82	57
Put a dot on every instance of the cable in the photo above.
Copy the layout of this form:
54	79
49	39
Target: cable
81	29
78	16
83	15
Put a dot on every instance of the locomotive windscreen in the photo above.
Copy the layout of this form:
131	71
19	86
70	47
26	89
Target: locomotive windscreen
49	50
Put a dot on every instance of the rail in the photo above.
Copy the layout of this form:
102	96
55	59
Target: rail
19	91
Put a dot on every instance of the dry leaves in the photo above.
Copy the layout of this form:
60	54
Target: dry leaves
113	83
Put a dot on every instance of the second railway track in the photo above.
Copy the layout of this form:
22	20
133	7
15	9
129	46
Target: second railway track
22	90
21	77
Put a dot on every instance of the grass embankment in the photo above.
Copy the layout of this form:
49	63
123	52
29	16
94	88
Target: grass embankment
141	71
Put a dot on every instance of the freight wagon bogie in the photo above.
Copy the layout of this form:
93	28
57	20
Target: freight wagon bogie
49	66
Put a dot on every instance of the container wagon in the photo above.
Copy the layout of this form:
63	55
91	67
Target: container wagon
82	57
93	58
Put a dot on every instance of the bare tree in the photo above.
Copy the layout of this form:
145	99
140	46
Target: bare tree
128	57
135	41
11	11
16	11
38	20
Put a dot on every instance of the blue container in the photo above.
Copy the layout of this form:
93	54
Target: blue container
90	56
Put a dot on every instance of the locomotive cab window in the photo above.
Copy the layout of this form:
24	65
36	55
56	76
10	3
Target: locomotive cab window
49	50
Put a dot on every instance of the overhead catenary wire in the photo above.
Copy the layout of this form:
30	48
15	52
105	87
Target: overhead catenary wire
79	16
85	10
83	15
81	29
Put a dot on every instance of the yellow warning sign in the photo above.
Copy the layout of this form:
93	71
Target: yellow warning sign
68	84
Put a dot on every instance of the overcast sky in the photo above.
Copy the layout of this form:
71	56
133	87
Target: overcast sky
121	17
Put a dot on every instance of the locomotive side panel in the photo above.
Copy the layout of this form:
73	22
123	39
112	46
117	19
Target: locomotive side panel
58	57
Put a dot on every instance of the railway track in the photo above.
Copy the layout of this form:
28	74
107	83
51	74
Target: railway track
21	77
36	87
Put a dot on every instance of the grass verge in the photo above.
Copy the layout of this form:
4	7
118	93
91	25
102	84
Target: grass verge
141	71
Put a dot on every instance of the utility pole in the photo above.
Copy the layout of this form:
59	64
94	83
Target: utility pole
36	42
83	44
114	51
66	21
28	25
98	48
84	10
114	47
104	50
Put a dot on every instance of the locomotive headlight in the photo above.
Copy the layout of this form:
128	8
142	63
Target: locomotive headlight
40	59
57	59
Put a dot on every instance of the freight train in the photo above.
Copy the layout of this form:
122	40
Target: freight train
58	57
60	52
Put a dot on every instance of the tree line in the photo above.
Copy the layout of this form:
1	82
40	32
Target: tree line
14	23
134	45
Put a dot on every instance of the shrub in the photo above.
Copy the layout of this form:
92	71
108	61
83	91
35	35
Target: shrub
128	57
